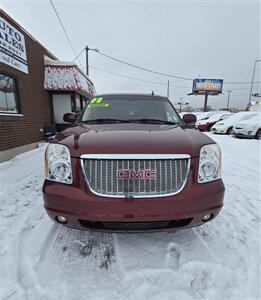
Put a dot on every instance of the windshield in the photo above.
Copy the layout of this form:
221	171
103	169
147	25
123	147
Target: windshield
218	117
239	117
247	117
129	108
226	116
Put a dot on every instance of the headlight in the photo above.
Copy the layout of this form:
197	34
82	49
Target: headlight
209	163
58	163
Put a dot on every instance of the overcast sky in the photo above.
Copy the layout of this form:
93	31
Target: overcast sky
210	39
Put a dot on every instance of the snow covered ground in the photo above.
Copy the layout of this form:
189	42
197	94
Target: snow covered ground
40	260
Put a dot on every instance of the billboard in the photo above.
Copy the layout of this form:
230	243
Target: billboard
207	86
12	47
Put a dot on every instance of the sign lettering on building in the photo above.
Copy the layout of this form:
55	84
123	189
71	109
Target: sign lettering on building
12	47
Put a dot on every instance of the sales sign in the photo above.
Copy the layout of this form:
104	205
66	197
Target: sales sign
12	47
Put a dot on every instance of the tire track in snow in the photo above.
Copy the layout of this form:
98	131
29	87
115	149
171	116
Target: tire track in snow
207	247
60	252
26	266
68	242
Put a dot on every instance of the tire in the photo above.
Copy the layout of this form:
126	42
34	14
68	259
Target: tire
230	131
209	127
258	134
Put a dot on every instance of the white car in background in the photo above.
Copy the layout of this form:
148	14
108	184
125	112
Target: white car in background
206	124
226	126
249	128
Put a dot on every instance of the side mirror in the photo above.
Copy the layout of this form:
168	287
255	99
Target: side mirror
70	117
190	120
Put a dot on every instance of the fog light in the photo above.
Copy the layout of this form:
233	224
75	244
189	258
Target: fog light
206	217
61	219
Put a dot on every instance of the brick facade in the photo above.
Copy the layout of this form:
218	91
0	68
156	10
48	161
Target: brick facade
33	101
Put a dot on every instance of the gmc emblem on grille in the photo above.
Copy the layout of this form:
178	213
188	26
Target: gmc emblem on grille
137	174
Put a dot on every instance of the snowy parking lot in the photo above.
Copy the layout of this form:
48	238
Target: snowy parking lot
40	260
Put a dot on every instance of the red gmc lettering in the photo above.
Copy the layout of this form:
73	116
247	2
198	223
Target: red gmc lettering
123	174
139	174
150	174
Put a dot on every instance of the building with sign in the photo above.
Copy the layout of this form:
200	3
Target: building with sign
35	89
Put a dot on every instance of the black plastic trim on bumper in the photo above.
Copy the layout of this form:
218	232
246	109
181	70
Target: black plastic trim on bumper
126	226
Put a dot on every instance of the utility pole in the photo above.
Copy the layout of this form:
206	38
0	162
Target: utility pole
181	104
87	60
168	90
228	98
206	102
87	49
252	82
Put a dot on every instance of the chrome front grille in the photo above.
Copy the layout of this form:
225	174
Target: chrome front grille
101	172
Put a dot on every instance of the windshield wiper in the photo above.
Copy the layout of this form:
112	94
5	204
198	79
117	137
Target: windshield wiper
148	121
151	121
105	120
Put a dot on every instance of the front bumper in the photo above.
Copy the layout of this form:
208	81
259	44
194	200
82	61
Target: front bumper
243	133
202	127
85	210
221	130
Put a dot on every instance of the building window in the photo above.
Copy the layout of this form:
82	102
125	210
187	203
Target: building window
8	97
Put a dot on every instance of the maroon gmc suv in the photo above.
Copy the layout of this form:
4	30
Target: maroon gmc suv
130	163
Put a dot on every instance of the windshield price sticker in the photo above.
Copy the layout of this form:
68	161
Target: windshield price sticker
98	102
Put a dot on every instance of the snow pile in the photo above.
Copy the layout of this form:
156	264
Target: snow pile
45	261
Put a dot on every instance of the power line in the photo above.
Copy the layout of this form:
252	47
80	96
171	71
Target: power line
164	74
155	72
241	82
76	57
232	73
152	82
142	68
63	28
240	89
138	79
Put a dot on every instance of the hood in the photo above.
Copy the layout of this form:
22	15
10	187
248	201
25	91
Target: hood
252	123
132	139
226	123
203	122
237	118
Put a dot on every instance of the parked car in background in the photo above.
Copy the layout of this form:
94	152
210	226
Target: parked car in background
250	128
206	124
226	126
205	115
